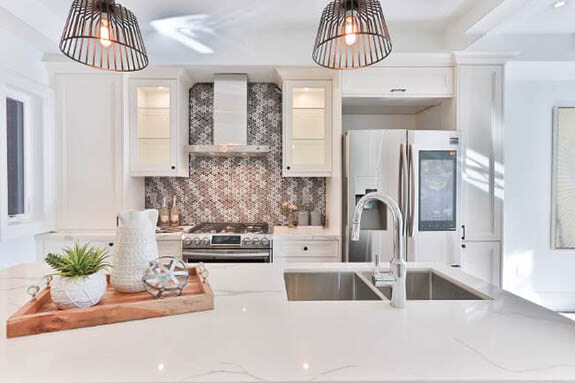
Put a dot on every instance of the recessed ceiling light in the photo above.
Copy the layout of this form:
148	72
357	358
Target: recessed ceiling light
559	4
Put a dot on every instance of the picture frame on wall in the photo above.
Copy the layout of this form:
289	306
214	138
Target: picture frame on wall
563	179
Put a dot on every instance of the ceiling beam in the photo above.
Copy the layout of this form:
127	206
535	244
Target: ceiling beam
484	17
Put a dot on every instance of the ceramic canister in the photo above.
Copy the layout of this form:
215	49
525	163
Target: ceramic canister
135	248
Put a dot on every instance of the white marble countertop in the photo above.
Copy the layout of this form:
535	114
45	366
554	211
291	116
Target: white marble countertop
255	334
304	234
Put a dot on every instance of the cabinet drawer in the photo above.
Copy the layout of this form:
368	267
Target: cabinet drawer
170	249
306	249
306	260
398	82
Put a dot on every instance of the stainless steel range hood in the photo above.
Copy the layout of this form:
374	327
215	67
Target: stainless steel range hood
230	121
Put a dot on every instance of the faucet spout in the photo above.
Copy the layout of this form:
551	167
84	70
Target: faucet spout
397	277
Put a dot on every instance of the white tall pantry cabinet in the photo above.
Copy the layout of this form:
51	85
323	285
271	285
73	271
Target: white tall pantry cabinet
480	117
92	182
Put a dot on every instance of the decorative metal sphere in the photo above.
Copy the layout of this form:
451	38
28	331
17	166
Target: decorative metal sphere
166	277
104	35
352	34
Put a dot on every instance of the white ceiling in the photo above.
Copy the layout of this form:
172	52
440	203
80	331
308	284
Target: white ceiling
274	31
281	32
541	17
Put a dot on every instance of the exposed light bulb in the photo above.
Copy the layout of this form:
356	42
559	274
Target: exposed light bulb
350	31
105	33
559	4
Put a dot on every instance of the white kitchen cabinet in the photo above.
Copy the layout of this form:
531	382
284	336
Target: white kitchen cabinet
57	246
480	118
307	128
483	260
92	184
46	245
301	251
399	82
158	128
170	249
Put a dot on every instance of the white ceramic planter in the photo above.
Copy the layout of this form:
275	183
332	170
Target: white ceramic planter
135	248
70	293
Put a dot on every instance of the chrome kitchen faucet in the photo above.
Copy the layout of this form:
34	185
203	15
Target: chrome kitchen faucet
396	279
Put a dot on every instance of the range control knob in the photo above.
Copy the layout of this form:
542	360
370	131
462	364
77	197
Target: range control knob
197	241
187	241
247	241
256	242
205	241
265	242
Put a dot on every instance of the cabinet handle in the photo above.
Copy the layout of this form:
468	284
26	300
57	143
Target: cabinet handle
111	244
289	167
463	228
464	246
305	248
173	167
398	90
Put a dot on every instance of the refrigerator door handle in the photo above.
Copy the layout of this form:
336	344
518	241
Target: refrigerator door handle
402	187
411	217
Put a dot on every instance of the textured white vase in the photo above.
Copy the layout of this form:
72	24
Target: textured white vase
70	293
135	247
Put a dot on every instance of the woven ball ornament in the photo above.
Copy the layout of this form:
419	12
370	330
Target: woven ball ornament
166	277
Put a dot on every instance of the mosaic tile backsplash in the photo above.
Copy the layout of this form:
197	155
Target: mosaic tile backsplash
237	189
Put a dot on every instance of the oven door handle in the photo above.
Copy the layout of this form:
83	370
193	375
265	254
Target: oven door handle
225	254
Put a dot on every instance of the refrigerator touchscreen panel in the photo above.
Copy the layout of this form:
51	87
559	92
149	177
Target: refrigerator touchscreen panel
437	190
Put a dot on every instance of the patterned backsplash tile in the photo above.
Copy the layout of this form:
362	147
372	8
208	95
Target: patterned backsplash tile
237	189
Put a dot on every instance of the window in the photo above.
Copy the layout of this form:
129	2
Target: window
15	156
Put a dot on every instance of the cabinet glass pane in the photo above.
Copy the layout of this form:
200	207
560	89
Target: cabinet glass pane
309	124
308	152
153	133
154	151
308	98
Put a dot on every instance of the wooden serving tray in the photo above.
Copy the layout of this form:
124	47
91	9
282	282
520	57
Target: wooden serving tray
40	314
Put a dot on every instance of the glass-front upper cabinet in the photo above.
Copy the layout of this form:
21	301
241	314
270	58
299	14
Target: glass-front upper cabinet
307	132
155	128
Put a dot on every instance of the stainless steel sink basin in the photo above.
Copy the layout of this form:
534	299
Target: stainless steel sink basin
351	286
328	286
428	286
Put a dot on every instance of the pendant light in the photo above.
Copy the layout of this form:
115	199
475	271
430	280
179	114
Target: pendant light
352	34
104	35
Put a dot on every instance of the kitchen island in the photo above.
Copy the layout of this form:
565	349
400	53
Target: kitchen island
256	334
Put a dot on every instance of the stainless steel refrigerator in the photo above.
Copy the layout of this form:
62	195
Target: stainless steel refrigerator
422	171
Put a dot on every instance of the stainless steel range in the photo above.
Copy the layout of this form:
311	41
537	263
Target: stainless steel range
228	243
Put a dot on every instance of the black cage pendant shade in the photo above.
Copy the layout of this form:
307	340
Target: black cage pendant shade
352	34
104	35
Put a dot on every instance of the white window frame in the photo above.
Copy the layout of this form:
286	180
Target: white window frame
38	136
25	99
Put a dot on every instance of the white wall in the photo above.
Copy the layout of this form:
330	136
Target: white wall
19	58
531	268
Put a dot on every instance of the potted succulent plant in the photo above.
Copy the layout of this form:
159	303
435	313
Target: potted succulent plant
80	278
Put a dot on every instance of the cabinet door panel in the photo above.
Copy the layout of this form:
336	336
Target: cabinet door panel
89	192
154	137
307	142
399	82
306	249
480	119
483	260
